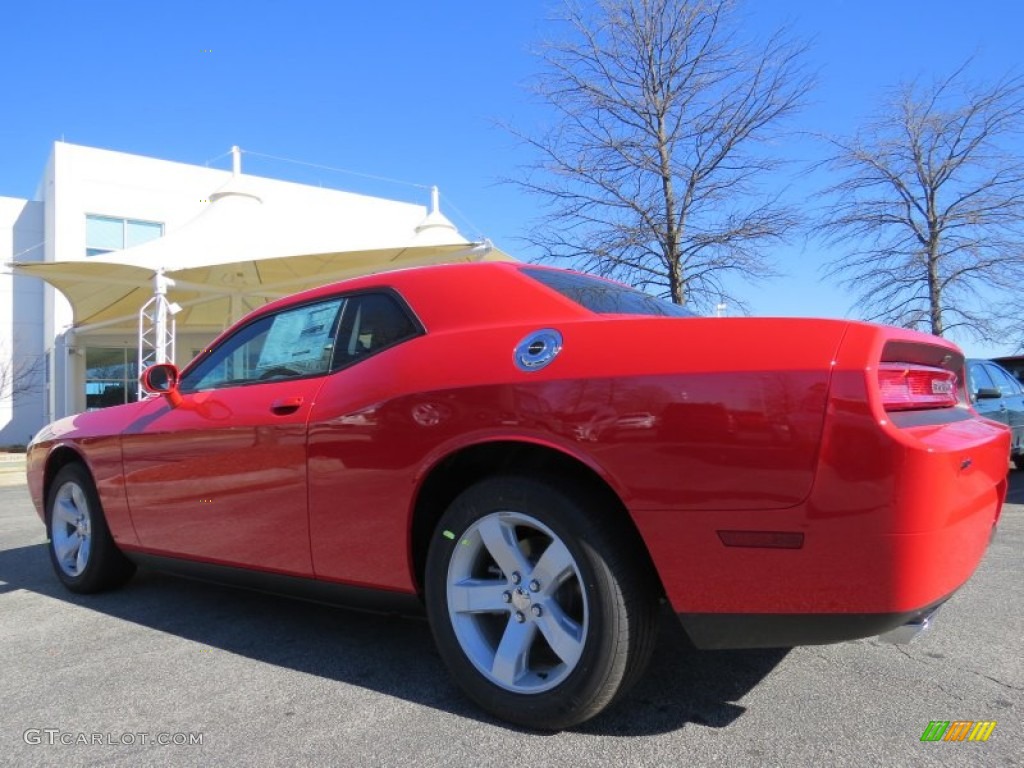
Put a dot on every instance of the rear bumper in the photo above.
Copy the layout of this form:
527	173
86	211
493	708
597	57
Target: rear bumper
717	631
898	520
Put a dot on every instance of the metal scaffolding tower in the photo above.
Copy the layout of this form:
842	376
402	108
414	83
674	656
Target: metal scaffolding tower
156	326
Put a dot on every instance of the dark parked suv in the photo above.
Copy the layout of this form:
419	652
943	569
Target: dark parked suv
997	395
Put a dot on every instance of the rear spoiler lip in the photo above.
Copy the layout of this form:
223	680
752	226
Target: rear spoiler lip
923	352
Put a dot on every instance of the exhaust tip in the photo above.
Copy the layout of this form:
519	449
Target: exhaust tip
907	632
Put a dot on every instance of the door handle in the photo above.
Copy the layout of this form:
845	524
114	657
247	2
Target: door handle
285	405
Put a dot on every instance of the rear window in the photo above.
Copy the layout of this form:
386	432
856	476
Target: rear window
604	296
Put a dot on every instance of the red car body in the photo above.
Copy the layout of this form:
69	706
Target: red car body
778	499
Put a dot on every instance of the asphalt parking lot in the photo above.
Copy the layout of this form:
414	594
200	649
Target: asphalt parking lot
267	681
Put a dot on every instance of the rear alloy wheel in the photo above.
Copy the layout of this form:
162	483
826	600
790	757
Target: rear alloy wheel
83	553
540	618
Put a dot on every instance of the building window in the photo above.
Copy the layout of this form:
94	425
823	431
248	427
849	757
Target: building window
104	234
111	376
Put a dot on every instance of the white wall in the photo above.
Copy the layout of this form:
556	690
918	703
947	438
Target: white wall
21	317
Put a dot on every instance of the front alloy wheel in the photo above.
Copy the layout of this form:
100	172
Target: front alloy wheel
71	529
82	551
540	605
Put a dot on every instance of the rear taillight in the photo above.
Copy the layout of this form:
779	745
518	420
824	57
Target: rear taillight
910	387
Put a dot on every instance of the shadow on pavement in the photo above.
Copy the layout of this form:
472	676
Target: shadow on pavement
1015	494
391	655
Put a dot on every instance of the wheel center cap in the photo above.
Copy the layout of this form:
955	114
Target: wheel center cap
521	599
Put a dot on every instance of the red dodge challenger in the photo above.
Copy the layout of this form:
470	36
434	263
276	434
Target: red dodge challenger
539	458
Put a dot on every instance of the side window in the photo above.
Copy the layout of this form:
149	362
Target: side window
293	343
371	322
1006	383
979	378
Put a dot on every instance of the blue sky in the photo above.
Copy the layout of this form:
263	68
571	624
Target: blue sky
413	91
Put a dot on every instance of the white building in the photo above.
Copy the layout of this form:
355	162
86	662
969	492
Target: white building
103	223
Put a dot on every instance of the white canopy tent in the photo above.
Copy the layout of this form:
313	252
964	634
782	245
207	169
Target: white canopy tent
257	240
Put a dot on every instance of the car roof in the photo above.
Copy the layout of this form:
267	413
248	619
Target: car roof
447	295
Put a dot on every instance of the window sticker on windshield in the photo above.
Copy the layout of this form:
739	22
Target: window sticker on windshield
300	340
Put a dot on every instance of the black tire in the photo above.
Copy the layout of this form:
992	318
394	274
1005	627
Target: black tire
600	603
101	565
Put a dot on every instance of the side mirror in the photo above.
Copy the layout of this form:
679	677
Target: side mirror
162	379
987	393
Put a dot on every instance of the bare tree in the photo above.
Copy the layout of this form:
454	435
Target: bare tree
19	375
651	172
929	211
